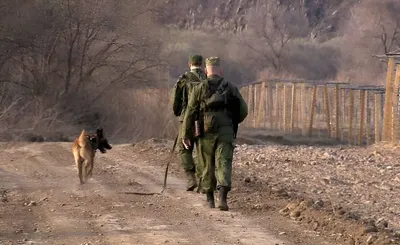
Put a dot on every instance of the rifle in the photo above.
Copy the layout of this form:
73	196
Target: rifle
169	161
234	105
165	176
235	129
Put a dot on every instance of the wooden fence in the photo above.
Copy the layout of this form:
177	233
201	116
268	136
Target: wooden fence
350	114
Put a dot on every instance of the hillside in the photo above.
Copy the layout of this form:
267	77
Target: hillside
324	16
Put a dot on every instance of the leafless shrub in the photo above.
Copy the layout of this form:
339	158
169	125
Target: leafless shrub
271	28
373	28
65	55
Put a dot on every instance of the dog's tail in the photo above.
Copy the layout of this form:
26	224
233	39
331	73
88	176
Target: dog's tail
82	138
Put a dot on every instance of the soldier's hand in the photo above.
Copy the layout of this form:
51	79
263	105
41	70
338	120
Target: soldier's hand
186	143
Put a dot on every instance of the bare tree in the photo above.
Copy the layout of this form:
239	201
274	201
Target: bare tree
271	27
377	24
55	52
372	28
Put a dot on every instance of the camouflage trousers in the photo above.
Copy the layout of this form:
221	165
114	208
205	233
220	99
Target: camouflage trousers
186	155
216	163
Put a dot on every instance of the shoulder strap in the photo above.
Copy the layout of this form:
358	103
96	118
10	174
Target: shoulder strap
197	76
220	87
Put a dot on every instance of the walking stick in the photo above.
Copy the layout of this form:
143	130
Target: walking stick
169	161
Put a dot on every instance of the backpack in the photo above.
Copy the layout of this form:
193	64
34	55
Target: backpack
215	99
219	98
193	79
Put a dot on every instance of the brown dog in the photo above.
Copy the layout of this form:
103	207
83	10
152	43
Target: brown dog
84	149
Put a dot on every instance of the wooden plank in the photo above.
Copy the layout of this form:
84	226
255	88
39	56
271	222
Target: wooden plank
337	114
271	104
387	114
351	117
293	107
313	104
395	102
378	108
362	117
285	108
327	110
261	107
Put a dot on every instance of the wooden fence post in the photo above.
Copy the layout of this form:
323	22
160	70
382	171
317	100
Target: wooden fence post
313	104
327	111
293	107
387	114
271	105
351	116
362	115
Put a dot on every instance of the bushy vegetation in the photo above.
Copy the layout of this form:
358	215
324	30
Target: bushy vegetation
72	64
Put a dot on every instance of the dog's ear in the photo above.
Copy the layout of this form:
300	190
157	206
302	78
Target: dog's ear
99	132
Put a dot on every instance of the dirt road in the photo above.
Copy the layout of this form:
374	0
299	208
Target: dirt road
42	203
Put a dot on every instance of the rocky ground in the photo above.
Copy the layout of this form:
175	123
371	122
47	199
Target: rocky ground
349	195
283	193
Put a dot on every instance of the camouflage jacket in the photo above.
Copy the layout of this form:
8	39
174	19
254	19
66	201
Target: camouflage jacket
183	88
223	119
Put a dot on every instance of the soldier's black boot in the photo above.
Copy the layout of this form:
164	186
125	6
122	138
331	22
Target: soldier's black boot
223	193
210	199
192	182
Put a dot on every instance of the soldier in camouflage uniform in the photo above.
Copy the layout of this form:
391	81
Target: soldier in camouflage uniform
221	109
181	93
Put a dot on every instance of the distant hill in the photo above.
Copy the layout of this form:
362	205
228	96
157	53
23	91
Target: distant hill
323	16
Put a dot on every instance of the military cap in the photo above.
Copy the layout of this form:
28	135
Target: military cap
196	59
212	61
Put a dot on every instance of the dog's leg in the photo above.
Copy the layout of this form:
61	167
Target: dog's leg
80	170
86	167
78	163
90	172
85	153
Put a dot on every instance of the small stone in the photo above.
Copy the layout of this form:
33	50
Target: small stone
284	211
295	214
351	241
370	228
370	239
282	233
32	203
318	204
381	223
306	204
